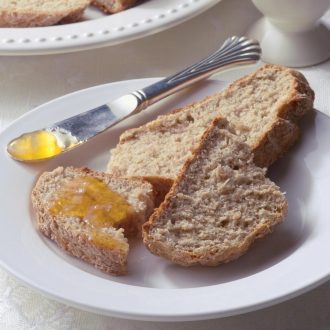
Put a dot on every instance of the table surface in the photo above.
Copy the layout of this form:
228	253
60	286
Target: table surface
30	81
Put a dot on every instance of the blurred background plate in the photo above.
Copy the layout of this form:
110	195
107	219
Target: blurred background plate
98	30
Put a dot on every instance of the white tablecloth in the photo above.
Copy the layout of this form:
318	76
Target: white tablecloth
26	82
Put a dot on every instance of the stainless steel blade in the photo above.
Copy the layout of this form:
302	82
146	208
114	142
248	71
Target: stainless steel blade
92	122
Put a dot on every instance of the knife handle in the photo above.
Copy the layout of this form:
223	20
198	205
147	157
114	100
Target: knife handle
235	51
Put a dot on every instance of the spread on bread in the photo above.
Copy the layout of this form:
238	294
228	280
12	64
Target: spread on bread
91	200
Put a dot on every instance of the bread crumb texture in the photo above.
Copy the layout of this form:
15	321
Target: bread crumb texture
220	203
263	108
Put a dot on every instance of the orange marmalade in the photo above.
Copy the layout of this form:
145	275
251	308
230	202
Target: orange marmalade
33	146
91	200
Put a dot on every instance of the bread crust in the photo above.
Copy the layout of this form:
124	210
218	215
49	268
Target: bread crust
283	132
73	235
36	16
185	258
113	6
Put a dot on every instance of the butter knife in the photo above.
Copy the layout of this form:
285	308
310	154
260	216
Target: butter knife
71	132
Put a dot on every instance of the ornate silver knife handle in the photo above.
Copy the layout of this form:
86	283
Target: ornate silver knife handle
235	51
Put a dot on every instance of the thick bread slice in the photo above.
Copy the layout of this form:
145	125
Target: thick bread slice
219	204
29	13
264	107
73	233
113	6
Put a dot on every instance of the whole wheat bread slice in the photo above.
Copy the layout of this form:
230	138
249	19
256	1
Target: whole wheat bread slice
219	204
30	13
264	107
113	6
74	235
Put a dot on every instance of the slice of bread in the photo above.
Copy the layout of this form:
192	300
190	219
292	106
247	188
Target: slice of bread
29	13
219	204
108	252
264	107
113	6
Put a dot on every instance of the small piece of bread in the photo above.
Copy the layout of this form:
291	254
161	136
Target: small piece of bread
74	234
30	13
264	107
113	6
219	204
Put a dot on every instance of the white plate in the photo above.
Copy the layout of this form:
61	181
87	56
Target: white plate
290	261
100	30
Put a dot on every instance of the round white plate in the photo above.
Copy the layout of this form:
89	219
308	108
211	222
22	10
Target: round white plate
99	30
286	263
